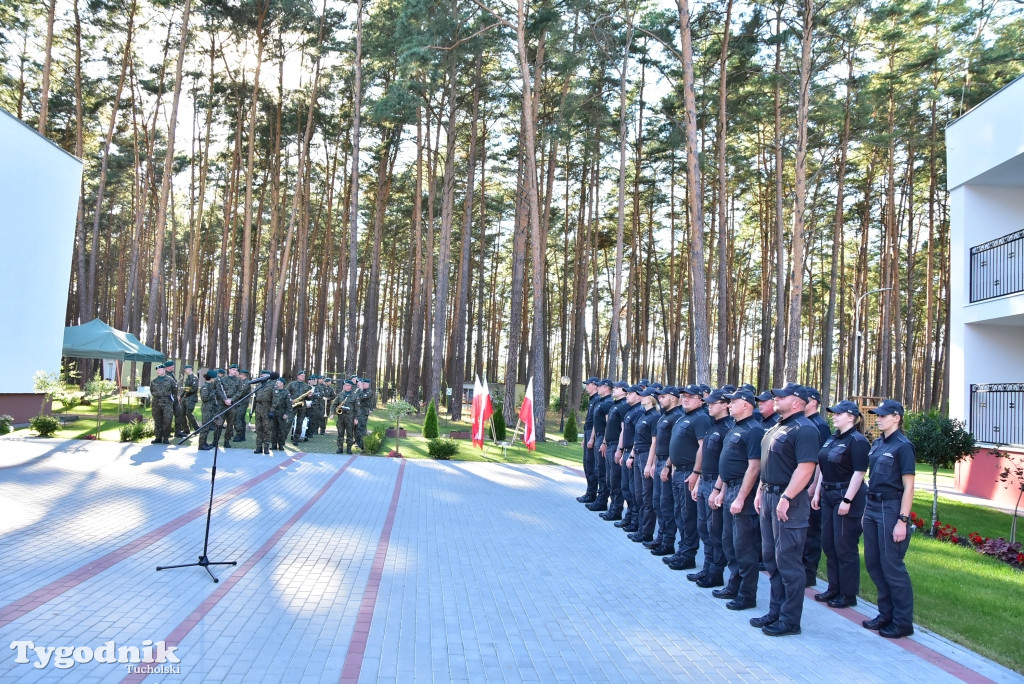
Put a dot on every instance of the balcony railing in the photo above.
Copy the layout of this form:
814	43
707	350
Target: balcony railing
996	415
997	267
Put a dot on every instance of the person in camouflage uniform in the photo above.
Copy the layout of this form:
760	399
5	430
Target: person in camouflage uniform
366	402
241	408
280	414
230	384
315	413
189	388
297	388
329	394
214	398
346	401
162	390
263	401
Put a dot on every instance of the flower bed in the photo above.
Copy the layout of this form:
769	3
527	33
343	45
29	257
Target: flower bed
999	548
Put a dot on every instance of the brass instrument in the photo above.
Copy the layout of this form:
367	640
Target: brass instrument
342	407
301	398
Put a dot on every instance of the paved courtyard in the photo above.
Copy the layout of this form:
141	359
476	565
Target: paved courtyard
369	569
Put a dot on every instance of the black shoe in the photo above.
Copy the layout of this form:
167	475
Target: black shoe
760	622
672	559
826	595
682	564
630	528
842	602
597	506
165	440
340	451
652	544
725	593
663	550
780	628
694	576
586	498
259	450
611	517
205	447
878	622
180	433
266	450
638	537
622	523
157	441
893	631
238	438
736	604
709	581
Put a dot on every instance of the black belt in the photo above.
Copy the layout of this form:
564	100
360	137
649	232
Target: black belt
773	489
710	477
885	496
833	486
733	483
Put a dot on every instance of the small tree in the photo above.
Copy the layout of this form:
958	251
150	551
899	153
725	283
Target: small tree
1012	475
101	389
395	410
430	429
48	384
940	441
500	432
571	433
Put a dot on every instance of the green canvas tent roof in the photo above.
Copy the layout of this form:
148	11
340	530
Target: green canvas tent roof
97	340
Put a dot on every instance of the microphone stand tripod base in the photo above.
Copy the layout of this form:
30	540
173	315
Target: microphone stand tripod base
204	563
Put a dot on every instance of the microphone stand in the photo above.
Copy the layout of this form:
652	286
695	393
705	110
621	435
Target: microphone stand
204	559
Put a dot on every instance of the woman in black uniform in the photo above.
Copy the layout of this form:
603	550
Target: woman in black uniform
637	460
887	522
842	461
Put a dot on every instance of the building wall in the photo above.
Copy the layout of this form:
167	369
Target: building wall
39	191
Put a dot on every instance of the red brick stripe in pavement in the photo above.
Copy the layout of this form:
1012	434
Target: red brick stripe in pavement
47	593
357	647
181	631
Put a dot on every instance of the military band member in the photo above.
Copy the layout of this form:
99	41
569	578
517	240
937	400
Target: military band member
344	410
299	388
262	402
328	393
189	389
214	400
163	390
280	414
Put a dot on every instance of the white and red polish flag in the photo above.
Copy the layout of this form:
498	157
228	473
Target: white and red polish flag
526	415
482	410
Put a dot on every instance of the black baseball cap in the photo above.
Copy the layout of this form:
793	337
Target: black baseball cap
845	406
887	408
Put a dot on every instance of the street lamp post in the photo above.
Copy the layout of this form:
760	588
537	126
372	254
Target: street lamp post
857	336
565	383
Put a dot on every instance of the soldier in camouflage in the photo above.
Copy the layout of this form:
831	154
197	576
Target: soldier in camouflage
189	389
280	414
162	391
231	385
263	402
315	414
344	408
299	388
365	405
240	407
329	393
214	400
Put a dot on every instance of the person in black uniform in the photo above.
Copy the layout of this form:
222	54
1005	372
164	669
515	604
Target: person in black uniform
887	525
626	438
839	494
709	519
734	492
604	404
812	545
589	464
664	504
766	412
611	452
639	459
685	459
789	454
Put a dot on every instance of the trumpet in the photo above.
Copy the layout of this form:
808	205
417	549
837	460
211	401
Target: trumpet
301	398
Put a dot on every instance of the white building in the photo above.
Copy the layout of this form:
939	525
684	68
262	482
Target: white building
39	189
985	158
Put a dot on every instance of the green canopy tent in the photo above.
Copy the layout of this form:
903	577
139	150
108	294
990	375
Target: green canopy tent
97	340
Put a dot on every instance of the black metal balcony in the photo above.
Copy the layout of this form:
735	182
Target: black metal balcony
997	267
996	415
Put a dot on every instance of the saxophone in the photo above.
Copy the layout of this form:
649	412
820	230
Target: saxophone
343	406
301	398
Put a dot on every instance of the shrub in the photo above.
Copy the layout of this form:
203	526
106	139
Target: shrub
442	449
500	431
571	433
939	441
6	422
136	430
372	441
45	426
430	429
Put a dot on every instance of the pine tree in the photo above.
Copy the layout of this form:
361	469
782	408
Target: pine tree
430	430
571	433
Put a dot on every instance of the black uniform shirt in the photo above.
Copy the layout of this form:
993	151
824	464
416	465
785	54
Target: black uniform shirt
645	427
664	432
691	427
794	440
890	459
629	426
842	455
741	444
601	415
613	429
713	442
589	423
823	432
771	421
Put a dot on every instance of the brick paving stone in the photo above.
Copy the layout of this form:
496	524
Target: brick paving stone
491	573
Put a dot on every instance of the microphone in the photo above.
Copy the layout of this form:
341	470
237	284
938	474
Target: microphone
274	375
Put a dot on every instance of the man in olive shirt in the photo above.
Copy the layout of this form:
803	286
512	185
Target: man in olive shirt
789	454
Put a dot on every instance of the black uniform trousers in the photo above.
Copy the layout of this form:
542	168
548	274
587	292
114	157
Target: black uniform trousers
812	546
739	544
839	537
589	463
883	559
644	487
685	513
709	526
626	477
782	547
614	471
